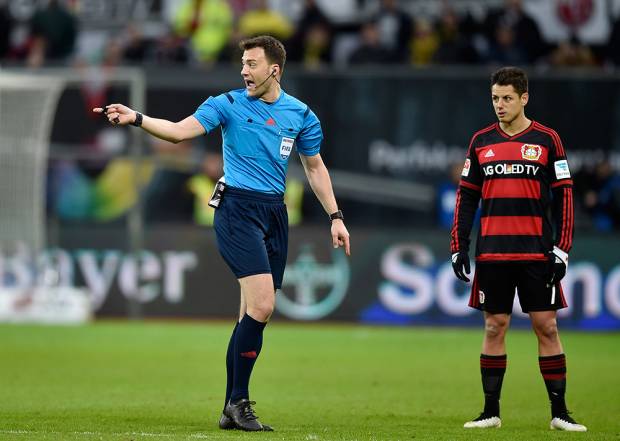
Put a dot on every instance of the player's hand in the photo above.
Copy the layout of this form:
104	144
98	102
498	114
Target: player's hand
340	236
460	265
558	263
117	114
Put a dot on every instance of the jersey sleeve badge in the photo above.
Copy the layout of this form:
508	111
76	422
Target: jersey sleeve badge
561	169
466	167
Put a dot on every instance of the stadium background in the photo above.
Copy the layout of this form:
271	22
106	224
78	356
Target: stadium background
126	222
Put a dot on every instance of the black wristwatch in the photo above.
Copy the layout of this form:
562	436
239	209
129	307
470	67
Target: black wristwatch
336	215
138	121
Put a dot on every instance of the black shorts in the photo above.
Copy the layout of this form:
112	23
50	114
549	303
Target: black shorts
494	285
251	229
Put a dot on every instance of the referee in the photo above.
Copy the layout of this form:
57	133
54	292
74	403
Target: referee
260	125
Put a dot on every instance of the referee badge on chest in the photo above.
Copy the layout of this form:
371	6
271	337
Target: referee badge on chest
286	146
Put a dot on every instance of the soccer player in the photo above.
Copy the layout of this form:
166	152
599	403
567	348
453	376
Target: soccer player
518	168
260	125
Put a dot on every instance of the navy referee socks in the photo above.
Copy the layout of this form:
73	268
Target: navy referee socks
248	338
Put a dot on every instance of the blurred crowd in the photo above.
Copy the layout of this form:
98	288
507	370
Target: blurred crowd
317	32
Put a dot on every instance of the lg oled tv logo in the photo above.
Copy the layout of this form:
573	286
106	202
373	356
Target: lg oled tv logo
510	169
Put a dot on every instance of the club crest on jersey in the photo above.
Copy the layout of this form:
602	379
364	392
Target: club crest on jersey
531	152
481	296
466	167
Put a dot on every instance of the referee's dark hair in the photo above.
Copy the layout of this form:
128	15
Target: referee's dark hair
510	76
274	49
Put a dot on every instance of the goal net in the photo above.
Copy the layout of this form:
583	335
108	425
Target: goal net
32	287
27	104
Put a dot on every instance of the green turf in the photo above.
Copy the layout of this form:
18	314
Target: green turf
165	381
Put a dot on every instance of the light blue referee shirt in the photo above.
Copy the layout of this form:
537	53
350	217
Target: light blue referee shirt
258	137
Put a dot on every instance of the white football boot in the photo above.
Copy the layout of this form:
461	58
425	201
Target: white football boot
484	422
565	422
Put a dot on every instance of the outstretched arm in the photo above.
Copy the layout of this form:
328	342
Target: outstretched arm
121	115
321	184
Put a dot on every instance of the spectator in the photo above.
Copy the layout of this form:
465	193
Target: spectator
424	43
510	27
261	20
312	42
395	29
312	15
207	24
136	47
572	53
371	51
505	49
54	32
454	46
602	199
170	49
317	46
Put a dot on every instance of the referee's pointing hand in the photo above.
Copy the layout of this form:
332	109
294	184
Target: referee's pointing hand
117	114
340	236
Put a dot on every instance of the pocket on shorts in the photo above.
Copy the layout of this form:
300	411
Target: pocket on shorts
221	221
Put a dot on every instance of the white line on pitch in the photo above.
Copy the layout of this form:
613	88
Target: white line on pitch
145	434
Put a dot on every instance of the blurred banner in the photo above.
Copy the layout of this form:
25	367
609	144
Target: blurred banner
386	131
399	123
394	277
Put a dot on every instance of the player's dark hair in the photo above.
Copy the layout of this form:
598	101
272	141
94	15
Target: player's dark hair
274	49
510	76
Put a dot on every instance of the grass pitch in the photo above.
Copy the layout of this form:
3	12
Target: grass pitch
165	381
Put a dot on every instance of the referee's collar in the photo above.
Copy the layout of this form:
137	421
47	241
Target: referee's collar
269	103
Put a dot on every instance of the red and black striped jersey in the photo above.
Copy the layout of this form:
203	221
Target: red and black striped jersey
526	190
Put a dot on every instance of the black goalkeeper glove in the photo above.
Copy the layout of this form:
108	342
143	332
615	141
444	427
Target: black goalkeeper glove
558	262
460	263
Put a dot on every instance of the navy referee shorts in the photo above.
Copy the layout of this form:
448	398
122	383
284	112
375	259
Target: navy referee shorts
251	229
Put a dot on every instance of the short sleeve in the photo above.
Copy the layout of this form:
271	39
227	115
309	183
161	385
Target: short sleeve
311	135
213	112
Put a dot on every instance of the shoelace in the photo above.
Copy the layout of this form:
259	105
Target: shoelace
566	417
483	416
247	411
